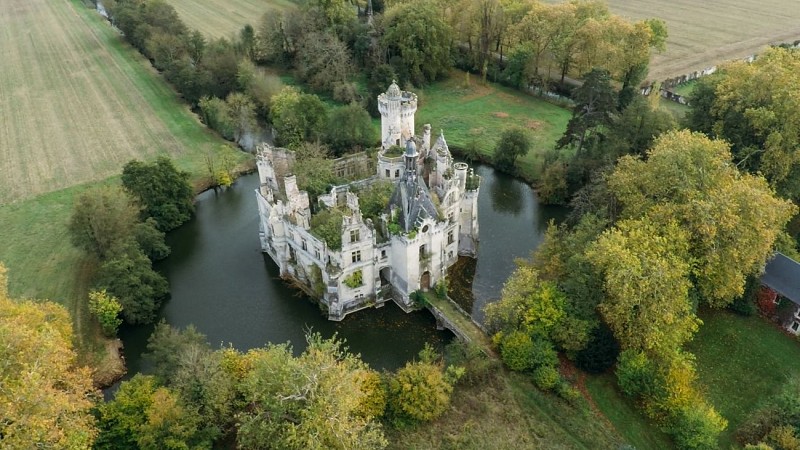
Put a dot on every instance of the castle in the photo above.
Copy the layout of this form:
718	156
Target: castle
429	220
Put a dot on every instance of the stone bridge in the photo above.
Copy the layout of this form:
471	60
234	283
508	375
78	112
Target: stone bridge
449	315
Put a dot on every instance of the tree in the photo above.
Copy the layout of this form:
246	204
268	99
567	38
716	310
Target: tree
349	128
127	274
184	362
105	308
46	397
151	240
101	219
513	143
740	104
144	415
242	114
646	269
217	116
323	61
297	117
731	220
313	169
594	107
417	41
162	189
314	401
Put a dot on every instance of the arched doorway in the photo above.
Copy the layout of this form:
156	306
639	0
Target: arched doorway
425	281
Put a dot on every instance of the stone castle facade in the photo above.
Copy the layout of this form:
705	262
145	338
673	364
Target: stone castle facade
430	219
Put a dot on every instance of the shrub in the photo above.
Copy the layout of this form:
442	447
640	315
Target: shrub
696	427
636	374
419	392
106	309
567	392
516	350
546	377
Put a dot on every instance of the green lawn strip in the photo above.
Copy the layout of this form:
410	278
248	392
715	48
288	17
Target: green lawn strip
478	113
677	110
624	415
741	361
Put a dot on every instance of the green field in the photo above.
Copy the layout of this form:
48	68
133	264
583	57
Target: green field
224	18
478	113
76	103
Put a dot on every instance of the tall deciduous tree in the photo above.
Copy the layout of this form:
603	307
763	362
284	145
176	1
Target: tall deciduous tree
417	41
101	219
45	397
162	189
323	60
349	128
127	274
731	219
144	415
297	117
755	107
646	269
513	143
313	401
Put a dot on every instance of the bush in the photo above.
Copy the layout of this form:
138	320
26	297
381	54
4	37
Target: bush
552	186
419	392
106	309
516	351
567	392
546	377
696	427
346	93
636	374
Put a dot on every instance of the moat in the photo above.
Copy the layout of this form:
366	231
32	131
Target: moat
222	283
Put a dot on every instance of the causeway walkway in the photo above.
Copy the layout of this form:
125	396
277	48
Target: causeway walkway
451	316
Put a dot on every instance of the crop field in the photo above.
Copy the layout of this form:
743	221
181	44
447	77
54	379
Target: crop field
224	18
709	32
76	103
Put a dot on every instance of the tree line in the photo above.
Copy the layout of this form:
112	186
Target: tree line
664	222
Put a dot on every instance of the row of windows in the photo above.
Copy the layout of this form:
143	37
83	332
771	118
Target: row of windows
396	173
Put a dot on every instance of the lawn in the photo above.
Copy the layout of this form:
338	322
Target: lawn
224	18
741	362
623	413
76	103
479	113
707	33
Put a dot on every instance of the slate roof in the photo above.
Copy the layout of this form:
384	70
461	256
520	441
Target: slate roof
414	202
782	275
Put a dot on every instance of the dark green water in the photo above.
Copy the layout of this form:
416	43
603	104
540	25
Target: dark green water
231	292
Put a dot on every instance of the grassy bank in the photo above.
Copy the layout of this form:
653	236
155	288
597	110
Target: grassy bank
506	411
478	114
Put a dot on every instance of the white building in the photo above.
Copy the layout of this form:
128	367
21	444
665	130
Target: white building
431	218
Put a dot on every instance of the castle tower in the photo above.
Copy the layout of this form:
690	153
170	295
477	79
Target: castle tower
397	110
